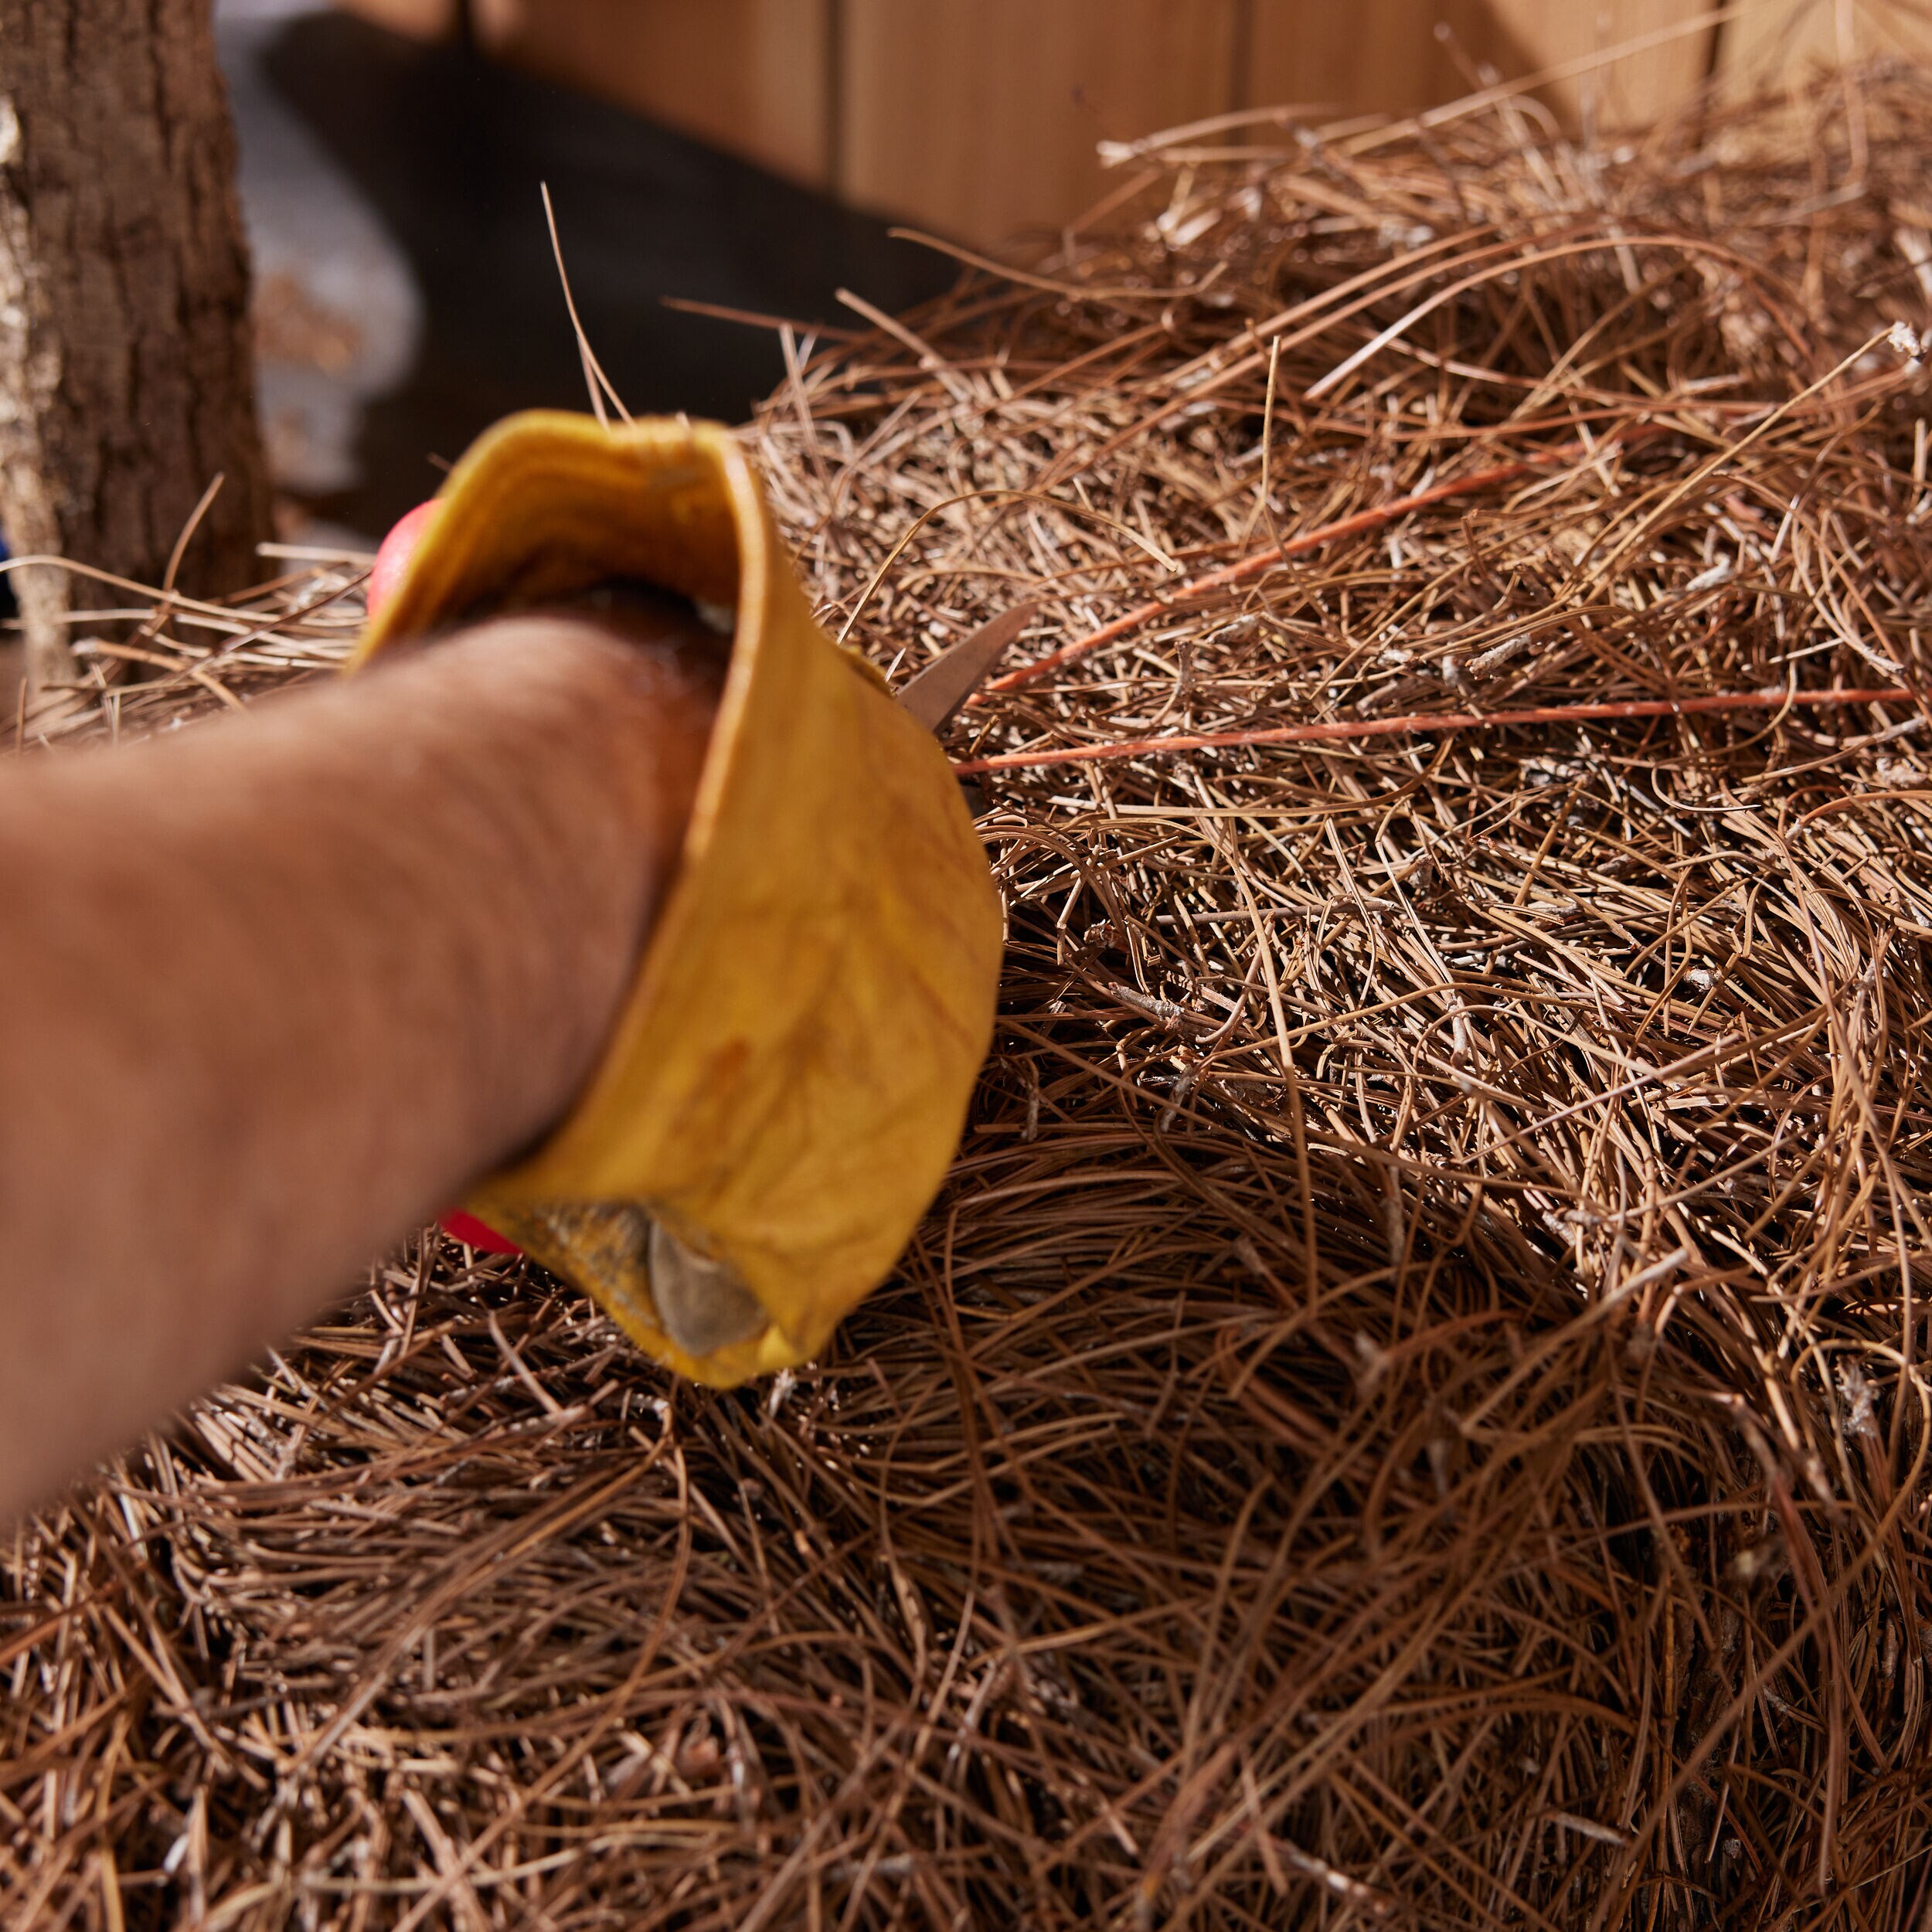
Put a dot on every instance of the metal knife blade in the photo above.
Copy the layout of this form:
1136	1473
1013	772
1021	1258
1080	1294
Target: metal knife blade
934	694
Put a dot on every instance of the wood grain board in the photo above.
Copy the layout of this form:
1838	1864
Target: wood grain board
1774	44
980	119
420	19
749	75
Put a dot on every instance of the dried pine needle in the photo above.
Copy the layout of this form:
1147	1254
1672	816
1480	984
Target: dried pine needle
1412	1409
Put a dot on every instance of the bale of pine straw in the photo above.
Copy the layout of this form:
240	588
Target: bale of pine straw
1412	1409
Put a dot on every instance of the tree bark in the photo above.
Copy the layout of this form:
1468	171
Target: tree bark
127	378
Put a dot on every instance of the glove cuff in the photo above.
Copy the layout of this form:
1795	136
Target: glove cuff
787	1078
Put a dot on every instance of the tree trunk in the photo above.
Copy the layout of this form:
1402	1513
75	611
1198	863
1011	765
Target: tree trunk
127	379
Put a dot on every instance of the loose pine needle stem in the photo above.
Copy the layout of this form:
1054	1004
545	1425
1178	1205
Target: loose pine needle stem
1362	522
1343	730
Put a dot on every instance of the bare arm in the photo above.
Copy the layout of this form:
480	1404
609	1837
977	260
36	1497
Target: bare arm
272	991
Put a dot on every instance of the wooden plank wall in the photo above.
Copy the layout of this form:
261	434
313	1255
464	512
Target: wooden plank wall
1771	45
980	118
420	19
1398	57
750	76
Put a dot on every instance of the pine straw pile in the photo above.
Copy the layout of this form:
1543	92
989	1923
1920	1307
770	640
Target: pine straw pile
1411	1411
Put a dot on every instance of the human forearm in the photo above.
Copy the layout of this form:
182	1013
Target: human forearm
271	992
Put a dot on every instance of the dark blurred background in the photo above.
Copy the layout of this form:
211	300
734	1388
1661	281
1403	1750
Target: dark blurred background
406	295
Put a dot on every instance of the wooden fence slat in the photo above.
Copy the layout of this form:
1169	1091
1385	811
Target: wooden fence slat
750	76
980	117
1369	56
1384	57
1771	43
420	19
1635	88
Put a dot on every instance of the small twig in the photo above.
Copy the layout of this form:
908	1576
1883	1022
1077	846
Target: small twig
1277	553
1339	730
599	384
187	536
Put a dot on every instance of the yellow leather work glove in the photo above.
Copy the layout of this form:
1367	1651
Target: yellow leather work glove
788	1078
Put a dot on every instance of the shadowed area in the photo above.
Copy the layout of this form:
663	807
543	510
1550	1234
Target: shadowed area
447	152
